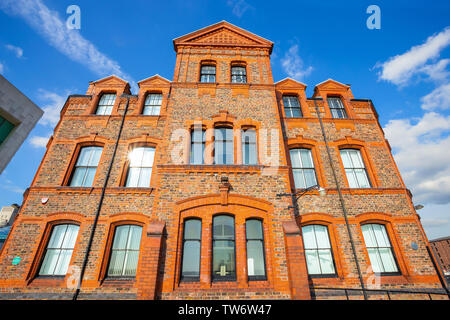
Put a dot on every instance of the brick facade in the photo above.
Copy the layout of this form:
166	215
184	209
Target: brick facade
181	190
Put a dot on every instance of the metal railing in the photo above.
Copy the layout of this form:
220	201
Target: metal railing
388	292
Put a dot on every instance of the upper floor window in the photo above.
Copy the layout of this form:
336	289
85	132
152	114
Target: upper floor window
238	74
106	103
303	168
224	249
59	250
86	166
354	168
152	104
223	146
292	107
198	138
379	248
319	258
190	269
125	251
208	73
337	108
140	167
256	265
249	149
5	128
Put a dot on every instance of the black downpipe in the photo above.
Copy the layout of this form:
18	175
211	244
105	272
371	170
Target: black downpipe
100	203
341	198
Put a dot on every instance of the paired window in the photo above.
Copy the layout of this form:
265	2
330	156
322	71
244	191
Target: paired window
249	147
152	104
198	139
337	108
59	250
238	74
5	128
125	251
105	104
303	168
192	238
256	266
292	107
208	73
379	248
319	258
140	167
354	168
223	146
86	166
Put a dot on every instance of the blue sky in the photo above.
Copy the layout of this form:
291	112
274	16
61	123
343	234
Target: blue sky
403	67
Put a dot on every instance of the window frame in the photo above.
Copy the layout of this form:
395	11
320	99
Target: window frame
207	64
285	108
11	124
259	277
73	165
186	278
224	278
344	109
303	168
192	143
224	142
128	166
366	171
106	106
238	65
244	143
152	106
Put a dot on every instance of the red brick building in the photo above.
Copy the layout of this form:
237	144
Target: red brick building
441	250
186	190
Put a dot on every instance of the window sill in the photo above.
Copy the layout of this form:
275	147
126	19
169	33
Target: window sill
322	276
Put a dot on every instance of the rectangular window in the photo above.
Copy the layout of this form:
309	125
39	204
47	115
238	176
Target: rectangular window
249	149
256	266
125	251
379	248
223	146
238	74
354	168
106	103
319	258
190	269
303	168
336	108
152	104
140	168
5	129
198	138
208	73
86	166
59	250
292	107
224	250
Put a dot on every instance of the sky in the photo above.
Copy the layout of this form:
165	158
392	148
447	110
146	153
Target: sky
402	66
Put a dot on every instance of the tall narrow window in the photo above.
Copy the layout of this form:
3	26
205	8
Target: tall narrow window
140	168
238	74
337	108
379	248
152	104
292	107
303	168
59	250
190	269
125	251
354	168
86	166
223	146
249	149
208	73
198	138
106	104
319	258
224	253
256	266
5	128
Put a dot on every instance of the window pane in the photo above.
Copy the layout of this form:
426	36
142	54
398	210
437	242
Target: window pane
352	182
322	236
223	259
306	158
192	229
326	261
253	229
255	258
299	179
145	177
136	157
89	177
309	238
116	263
131	263
388	260
120	237
134	238
63	262
71	236
346	159
375	260
312	262
310	177
49	263
361	176
191	259
295	158
57	236
133	177
85	155
96	153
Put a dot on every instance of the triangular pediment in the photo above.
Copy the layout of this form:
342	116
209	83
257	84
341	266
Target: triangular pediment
155	80
111	81
331	84
223	34
289	83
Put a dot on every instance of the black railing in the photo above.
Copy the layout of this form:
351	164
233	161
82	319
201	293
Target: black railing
388	292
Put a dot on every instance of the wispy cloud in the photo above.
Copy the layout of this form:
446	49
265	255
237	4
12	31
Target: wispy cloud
39	142
8	185
439	98
52	105
2	68
17	50
69	42
293	64
239	7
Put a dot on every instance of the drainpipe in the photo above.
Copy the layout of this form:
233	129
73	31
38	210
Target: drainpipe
341	199
100	203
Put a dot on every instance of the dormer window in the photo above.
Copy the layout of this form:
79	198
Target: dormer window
105	104
337	108
292	107
208	73
238	74
152	104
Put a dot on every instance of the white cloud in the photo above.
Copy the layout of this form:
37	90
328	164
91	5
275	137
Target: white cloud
239	7
17	50
69	42
438	71
293	65
401	68
2	68
39	142
439	98
52	106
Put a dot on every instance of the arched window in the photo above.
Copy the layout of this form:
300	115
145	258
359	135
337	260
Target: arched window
319	258
125	251
256	265
59	250
303	168
86	166
152	104
292	107
105	104
224	249
190	268
379	248
223	146
354	168
249	147
140	167
208	73
198	138
337	108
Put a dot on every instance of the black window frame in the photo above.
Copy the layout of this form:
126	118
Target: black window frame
288	106
223	141
191	278
259	277
235	76
342	108
225	278
207	75
193	143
